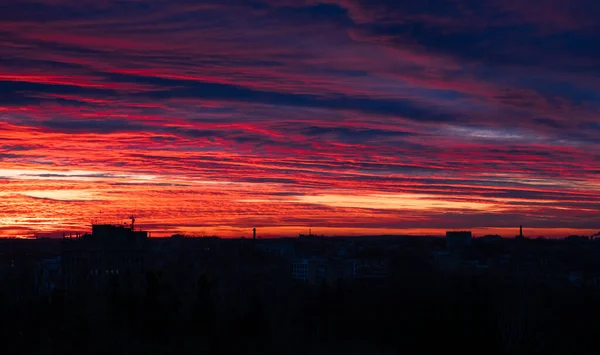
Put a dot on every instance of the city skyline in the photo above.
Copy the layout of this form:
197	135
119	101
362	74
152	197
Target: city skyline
350	117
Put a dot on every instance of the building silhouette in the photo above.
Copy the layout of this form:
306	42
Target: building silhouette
520	236
110	254
458	239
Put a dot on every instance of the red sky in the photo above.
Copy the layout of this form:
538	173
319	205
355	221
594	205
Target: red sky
347	116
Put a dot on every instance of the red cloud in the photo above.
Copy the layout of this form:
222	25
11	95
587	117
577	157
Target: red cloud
216	119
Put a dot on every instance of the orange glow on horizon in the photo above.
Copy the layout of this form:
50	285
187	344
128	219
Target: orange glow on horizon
53	201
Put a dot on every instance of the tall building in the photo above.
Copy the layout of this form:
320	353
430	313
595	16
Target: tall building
520	236
111	253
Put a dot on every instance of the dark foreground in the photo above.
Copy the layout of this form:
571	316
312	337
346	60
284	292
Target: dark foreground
418	308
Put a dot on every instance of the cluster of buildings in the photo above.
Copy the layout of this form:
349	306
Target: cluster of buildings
122	255
318	259
574	259
93	263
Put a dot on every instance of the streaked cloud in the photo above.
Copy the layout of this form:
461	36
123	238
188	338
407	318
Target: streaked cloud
213	116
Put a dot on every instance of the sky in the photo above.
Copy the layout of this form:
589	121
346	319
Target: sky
344	116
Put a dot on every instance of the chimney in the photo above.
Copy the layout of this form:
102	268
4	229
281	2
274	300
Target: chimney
520	230
254	233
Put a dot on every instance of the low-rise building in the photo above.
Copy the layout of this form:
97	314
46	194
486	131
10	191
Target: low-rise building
318	270
277	247
372	268
458	239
